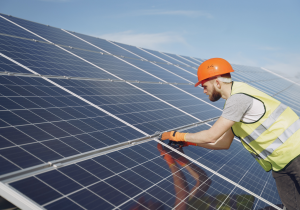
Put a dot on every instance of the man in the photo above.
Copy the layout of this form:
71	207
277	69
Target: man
268	129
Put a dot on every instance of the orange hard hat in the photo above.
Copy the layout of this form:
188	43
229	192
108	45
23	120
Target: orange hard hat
213	67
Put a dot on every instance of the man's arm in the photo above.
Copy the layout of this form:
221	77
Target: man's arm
219	136
223	142
212	135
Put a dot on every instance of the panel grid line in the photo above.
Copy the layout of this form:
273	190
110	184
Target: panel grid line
98	106
280	76
167	61
103	180
187	60
84	187
219	170
103	151
235	186
173	58
153	64
108	113
179	177
44	42
99	68
26	203
7	73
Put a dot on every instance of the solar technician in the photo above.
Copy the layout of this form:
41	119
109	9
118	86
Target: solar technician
267	128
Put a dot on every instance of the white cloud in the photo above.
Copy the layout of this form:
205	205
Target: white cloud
151	41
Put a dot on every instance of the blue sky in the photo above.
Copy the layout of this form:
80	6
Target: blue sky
263	33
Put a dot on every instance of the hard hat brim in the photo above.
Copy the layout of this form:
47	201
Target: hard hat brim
198	83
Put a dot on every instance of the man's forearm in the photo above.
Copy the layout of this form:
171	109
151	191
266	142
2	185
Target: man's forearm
202	137
218	145
210	146
223	142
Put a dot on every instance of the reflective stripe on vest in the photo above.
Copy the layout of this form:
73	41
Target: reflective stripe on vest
256	156
266	124
281	139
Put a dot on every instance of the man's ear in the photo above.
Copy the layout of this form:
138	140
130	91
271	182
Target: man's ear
218	83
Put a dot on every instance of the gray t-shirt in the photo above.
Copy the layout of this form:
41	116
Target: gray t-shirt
237	106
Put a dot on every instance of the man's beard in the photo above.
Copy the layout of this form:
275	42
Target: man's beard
215	96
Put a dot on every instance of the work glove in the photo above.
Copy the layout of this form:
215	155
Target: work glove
176	137
173	136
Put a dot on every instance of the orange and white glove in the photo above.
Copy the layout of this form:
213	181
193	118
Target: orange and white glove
173	136
177	136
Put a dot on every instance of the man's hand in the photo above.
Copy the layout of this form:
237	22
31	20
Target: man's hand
177	136
173	136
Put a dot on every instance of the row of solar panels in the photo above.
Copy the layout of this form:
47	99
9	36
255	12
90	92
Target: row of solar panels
49	120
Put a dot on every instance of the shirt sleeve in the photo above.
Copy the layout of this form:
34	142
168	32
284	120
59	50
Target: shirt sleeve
236	106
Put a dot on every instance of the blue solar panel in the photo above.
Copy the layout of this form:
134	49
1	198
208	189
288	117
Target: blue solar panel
120	179
42	122
161	69
184	60
70	143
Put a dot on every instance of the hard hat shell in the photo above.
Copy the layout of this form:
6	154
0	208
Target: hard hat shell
213	67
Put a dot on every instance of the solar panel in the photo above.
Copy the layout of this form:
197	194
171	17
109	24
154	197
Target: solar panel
79	121
183	60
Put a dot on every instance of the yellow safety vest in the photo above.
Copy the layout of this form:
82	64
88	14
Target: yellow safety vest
274	139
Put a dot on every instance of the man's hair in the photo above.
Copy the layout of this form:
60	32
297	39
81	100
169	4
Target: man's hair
226	78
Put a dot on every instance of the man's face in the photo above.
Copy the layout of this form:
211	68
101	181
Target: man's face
210	90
